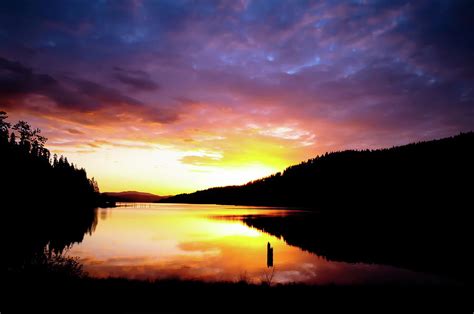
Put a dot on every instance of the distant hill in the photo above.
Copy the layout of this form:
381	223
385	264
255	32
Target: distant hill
133	196
424	175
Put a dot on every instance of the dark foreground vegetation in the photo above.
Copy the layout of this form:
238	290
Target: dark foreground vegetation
422	176
66	293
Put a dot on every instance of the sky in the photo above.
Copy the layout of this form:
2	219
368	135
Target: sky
174	96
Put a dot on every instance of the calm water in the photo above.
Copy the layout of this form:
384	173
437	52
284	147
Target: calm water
149	241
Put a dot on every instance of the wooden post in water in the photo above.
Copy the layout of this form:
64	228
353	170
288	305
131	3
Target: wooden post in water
269	255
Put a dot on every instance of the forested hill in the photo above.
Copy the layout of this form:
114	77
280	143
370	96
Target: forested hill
426	175
132	196
30	175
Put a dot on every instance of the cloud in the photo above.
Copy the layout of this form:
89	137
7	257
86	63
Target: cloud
74	131
18	82
138	80
100	93
200	160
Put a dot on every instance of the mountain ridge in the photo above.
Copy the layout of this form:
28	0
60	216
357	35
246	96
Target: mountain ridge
133	196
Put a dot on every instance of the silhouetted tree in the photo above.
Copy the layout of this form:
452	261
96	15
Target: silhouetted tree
55	161
25	132
27	168
4	127
95	185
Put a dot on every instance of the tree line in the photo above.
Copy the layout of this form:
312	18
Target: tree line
30	175
419	176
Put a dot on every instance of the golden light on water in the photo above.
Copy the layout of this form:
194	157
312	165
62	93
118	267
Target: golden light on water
149	241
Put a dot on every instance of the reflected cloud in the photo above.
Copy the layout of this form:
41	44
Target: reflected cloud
200	247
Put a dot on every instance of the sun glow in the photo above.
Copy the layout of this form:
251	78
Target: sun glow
161	170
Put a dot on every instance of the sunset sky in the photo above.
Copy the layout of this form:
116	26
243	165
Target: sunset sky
174	96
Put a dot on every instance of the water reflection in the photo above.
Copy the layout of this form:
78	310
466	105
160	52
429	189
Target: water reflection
195	242
34	232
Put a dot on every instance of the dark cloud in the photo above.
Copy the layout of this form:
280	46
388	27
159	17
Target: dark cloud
74	131
138	80
442	31
102	94
18	81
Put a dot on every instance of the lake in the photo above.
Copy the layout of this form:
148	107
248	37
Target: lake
212	243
